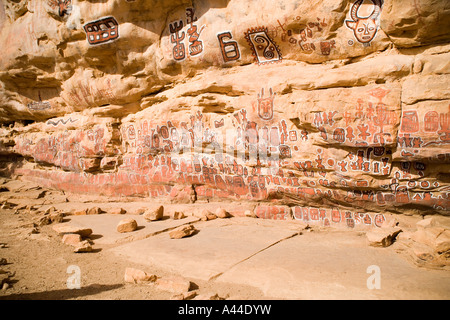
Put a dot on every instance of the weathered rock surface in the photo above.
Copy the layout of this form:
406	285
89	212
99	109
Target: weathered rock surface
133	275
94	210
382	237
174	284
127	225
177	215
183	231
222	213
62	229
55	217
332	114
117	211
250	214
431	243
72	239
436	238
154	214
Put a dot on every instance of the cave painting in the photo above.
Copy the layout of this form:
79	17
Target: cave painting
177	37
154	162
264	49
364	28
102	30
322	216
309	39
64	6
228	47
39	105
75	150
420	129
265	105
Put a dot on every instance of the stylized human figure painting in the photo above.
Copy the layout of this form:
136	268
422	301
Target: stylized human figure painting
265	105
364	28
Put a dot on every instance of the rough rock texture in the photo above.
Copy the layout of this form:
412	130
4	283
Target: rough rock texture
382	237
127	225
71	239
174	284
183	231
154	214
63	229
332	113
133	275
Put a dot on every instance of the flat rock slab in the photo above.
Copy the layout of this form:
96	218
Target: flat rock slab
336	265
104	227
218	245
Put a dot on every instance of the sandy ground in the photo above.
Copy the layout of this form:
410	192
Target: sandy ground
38	263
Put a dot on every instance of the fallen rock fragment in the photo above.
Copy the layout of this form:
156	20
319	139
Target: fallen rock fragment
57	217
206	215
382	237
173	284
43	221
210	216
154	215
133	275
83	246
423	252
222	213
82	212
183	231
72	239
140	211
437	238
117	211
94	210
434	237
184	296
177	215
62	229
442	243
250	214
49	218
50	210
127	225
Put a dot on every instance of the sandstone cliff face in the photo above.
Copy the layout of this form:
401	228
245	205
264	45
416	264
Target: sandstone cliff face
336	111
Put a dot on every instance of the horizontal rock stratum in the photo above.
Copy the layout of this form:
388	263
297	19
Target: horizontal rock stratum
336	112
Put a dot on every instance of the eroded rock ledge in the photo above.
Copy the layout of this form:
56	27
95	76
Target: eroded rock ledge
336	112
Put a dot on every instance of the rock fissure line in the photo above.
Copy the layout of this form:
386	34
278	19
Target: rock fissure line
213	278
